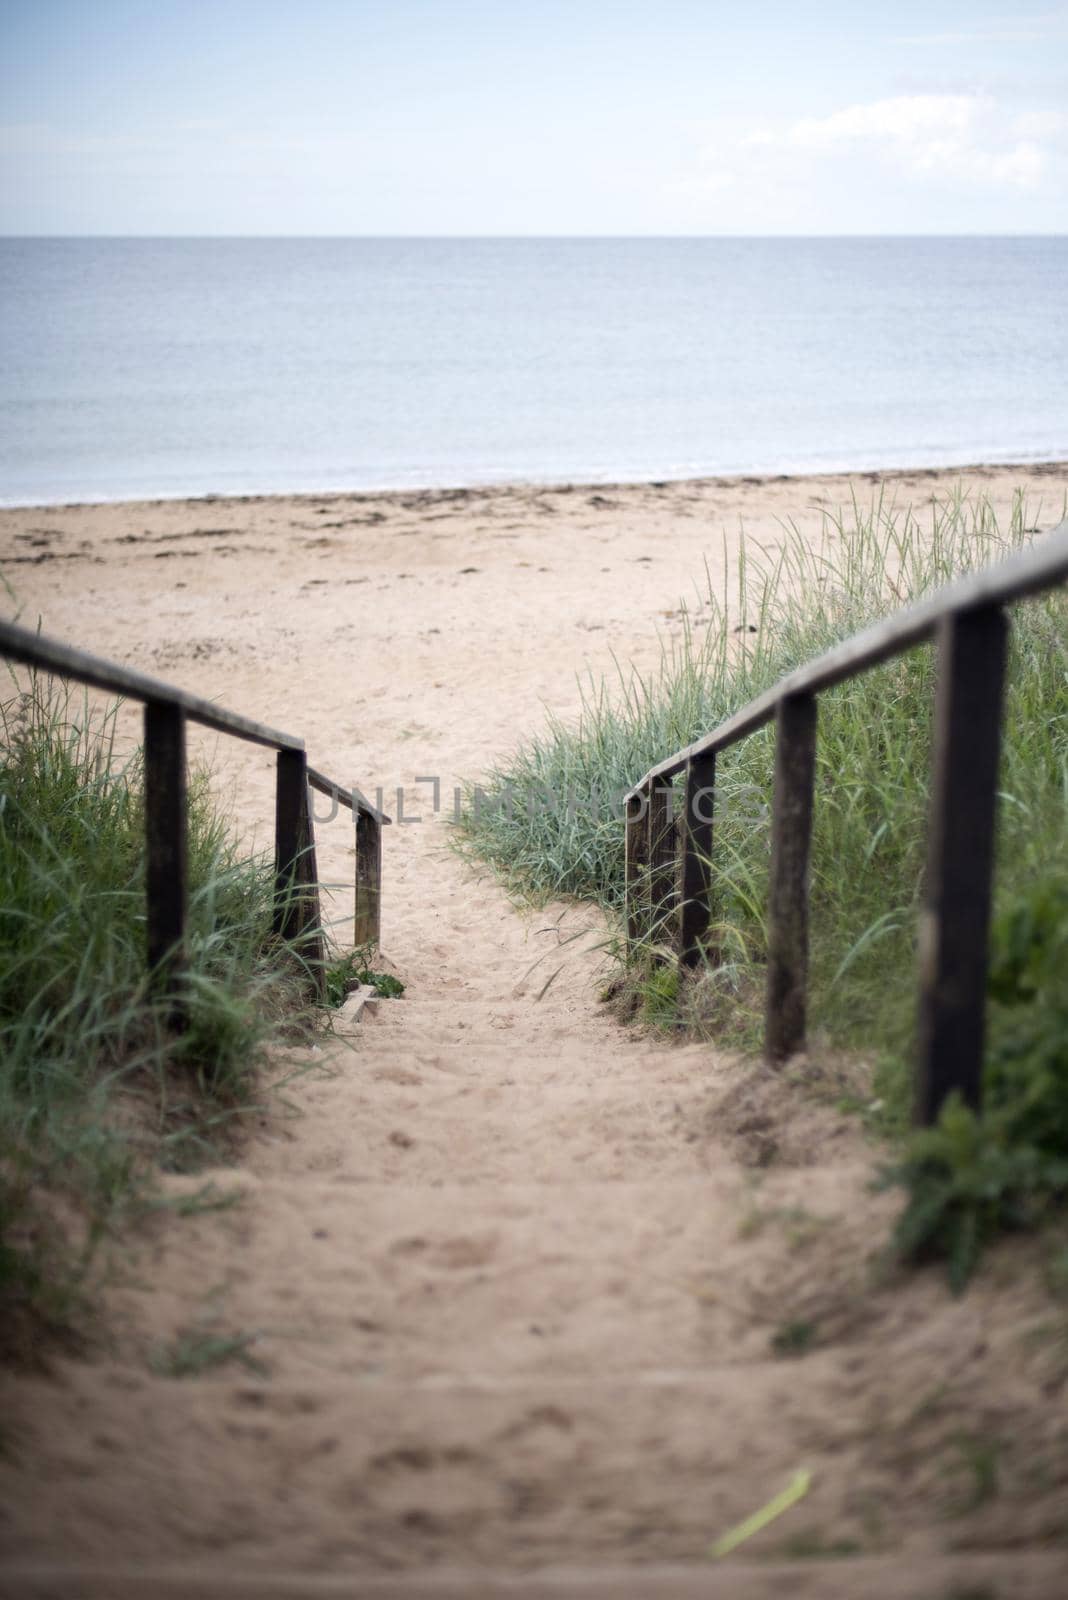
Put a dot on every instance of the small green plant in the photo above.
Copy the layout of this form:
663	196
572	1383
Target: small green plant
658	989
353	969
794	1338
967	1182
976	1461
1026	1079
383	983
339	978
192	1353
971	1178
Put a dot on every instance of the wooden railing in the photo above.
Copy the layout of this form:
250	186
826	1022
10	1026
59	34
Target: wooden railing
167	710
669	862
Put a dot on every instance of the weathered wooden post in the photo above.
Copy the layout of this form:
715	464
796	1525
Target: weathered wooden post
696	851
367	915
791	833
296	908
637	900
955	921
663	862
166	824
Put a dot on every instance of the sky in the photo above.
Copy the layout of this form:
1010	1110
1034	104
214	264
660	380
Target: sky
532	117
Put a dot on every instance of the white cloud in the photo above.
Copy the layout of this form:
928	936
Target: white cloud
907	119
965	138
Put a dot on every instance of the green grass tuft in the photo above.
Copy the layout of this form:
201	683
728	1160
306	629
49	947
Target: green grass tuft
354	968
190	1354
794	1338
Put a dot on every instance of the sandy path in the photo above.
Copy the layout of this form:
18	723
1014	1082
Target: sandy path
512	1274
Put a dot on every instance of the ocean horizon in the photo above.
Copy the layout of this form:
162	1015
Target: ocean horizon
170	368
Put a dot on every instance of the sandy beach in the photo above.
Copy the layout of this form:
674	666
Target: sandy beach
417	633
513	1271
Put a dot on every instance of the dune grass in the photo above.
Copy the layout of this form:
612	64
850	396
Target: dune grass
550	818
96	1086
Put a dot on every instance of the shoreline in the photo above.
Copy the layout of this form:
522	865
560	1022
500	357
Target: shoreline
1040	466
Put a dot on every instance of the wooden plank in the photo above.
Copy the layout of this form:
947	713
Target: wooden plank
637	861
791	832
166	846
51	655
367	921
748	720
296	908
663	864
696	853
333	791
353	799
289	836
1041	566
313	947
955	922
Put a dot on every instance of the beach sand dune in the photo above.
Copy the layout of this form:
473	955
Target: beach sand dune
519	1283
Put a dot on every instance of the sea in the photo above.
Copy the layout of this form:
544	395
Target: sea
134	368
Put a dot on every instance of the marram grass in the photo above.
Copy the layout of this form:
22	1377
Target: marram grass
549	818
95	1086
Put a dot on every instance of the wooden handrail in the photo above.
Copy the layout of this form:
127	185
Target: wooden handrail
64	661
1028	572
167	710
669	866
354	800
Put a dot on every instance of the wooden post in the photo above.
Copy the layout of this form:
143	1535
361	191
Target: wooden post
663	863
315	953
955	924
696	850
791	832
289	835
367	920
166	846
296	912
637	902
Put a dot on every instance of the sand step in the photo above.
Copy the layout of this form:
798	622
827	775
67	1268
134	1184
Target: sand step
513	1053
325	1480
377	1475
553	1279
409	1115
1017	1575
